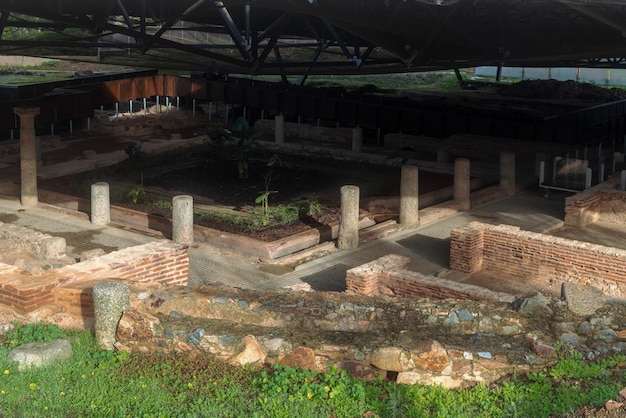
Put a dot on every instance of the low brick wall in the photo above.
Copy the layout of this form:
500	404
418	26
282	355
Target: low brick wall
517	253
156	262
386	276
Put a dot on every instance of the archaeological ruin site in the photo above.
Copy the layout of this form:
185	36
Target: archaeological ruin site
219	203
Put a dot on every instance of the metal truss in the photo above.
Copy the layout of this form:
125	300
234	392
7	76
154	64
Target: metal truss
306	37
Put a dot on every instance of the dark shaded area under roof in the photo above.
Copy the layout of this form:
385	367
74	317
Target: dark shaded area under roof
330	36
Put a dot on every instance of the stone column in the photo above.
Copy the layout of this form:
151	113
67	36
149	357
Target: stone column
279	130
507	172
28	154
357	139
462	183
100	203
38	153
182	219
409	200
443	155
110	301
349	218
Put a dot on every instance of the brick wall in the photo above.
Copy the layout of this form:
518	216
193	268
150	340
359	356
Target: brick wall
386	276
158	262
517	253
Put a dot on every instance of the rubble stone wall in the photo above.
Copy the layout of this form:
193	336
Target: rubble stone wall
453	343
604	202
517	253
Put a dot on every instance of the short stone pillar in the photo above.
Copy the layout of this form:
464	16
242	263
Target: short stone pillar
100	203
28	155
349	218
279	130
182	219
409	199
507	172
89	154
110	301
462	186
357	139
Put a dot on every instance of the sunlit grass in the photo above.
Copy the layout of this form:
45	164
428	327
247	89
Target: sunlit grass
96	383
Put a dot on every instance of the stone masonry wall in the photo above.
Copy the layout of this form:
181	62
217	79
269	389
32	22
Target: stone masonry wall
160	261
517	253
443	342
386	276
604	202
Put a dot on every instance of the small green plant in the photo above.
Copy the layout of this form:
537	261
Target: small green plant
136	194
240	139
286	214
312	206
160	203
264	198
35	332
48	64
136	155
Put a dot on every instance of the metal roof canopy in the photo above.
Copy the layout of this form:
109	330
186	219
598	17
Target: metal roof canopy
334	36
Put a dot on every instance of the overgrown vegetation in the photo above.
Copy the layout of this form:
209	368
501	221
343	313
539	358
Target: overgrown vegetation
95	383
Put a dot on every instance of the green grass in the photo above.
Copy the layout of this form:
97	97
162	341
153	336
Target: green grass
96	383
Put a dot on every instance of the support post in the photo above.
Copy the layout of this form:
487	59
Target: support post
409	196
462	183
182	219
349	218
100	203
110	301
507	172
279	130
28	155
357	139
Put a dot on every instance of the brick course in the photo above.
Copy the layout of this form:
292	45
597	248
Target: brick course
386	276
158	262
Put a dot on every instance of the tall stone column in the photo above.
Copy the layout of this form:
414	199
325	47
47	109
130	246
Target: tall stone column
507	172
28	154
279	129
349	218
357	139
409	196
462	183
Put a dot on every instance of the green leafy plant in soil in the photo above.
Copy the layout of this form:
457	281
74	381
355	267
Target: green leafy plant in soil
96	383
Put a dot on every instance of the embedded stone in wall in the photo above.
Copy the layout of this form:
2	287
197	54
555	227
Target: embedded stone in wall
432	358
251	354
582	299
137	327
300	357
387	358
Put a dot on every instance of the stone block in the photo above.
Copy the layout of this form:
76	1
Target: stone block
40	353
